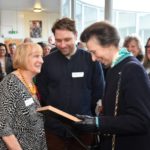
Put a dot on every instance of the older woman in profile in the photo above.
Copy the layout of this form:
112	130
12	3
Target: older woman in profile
21	126
125	122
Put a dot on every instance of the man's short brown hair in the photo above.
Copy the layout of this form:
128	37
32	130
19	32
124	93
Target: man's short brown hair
64	24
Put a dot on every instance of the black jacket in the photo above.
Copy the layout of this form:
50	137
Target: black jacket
9	67
72	85
132	124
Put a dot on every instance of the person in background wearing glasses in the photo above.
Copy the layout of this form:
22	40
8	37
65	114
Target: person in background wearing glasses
125	123
146	61
5	62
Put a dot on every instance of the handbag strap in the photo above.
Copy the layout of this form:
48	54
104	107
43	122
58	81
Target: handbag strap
116	108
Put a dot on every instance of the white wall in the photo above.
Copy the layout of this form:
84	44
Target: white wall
11	20
19	21
47	21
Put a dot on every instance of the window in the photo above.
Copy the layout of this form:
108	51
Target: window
87	13
128	19
65	8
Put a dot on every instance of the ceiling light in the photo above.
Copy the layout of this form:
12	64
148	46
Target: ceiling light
37	6
37	9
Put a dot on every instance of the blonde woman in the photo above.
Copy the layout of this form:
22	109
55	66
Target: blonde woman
21	127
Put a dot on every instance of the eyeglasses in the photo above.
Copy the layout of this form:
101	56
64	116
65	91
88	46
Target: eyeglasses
2	49
147	46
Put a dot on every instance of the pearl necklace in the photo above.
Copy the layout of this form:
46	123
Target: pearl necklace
32	89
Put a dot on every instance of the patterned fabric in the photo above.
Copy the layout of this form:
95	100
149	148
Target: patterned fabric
19	117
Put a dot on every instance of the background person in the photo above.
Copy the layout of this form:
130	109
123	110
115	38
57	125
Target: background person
5	62
46	48
125	123
21	126
27	40
81	45
12	48
133	44
51	40
146	61
70	81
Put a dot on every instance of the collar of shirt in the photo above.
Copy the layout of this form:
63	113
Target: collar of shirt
71	54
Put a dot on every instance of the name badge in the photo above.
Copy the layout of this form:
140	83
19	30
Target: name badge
29	101
77	74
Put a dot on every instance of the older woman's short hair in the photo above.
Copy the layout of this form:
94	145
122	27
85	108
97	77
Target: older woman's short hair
105	33
130	38
22	53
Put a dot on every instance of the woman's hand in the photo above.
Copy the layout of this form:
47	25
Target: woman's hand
11	142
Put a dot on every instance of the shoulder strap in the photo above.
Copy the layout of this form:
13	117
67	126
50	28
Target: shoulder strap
116	104
116	108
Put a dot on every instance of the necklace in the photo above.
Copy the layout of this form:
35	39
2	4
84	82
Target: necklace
32	89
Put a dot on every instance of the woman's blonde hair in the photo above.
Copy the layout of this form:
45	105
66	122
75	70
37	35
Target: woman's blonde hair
22	53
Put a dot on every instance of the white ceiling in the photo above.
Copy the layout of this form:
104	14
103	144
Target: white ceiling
52	6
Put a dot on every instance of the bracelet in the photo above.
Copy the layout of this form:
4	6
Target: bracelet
97	122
